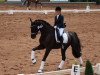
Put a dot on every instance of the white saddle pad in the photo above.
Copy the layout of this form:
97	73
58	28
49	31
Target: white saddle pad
65	37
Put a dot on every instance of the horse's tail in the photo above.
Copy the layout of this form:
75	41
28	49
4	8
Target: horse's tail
76	45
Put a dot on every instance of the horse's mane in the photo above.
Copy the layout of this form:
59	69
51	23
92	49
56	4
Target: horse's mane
46	23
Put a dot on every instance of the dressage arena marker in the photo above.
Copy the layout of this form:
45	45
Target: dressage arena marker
48	11
67	71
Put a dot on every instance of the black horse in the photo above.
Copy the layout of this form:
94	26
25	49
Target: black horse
48	42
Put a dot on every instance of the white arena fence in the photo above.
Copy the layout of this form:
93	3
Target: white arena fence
48	11
68	71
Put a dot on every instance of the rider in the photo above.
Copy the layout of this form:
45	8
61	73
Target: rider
59	23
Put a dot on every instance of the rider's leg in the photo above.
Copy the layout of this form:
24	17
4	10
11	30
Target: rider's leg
61	30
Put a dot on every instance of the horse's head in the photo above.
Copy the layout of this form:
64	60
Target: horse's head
35	27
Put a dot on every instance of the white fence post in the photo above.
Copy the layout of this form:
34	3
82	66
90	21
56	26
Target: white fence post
97	69
75	70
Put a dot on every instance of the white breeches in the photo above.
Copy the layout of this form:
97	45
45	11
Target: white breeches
61	31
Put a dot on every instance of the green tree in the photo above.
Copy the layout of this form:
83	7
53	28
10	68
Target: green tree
83	0
98	2
89	68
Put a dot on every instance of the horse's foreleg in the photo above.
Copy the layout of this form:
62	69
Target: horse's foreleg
43	61
33	53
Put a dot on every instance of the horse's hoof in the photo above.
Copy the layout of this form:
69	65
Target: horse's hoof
59	69
40	71
28	9
81	64
34	61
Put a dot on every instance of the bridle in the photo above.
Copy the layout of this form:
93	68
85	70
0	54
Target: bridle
38	27
32	27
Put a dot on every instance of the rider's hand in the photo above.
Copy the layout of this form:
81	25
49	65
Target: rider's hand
55	26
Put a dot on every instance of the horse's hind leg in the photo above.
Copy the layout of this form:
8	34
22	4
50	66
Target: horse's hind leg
41	5
35	5
63	53
80	60
63	59
28	5
77	54
33	53
24	2
76	47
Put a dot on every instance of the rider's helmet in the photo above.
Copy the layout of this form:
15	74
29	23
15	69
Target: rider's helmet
58	8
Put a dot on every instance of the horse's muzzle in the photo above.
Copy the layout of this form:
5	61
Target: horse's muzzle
33	36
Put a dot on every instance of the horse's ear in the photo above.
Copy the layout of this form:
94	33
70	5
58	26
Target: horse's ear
31	20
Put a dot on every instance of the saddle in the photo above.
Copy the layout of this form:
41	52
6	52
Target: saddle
58	37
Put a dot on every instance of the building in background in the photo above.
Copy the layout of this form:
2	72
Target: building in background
97	1
59	0
41	0
13	0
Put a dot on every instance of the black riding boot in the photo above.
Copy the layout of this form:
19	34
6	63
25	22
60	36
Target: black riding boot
62	44
61	39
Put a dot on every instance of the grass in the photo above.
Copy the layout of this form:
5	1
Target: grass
2	1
